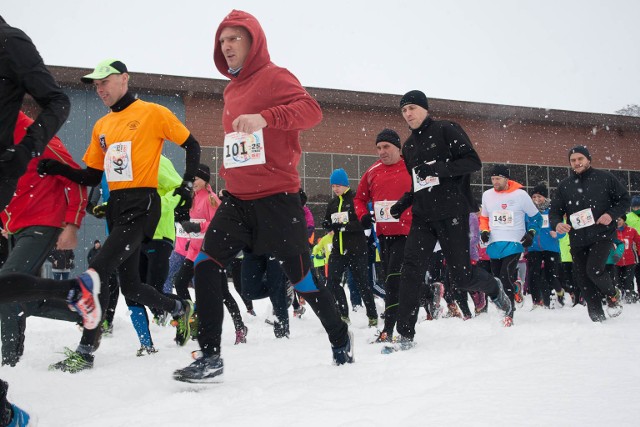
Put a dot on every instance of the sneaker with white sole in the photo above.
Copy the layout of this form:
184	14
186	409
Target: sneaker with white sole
84	299
202	370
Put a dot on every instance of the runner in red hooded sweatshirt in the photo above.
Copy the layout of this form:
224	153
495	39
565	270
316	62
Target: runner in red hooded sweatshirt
265	108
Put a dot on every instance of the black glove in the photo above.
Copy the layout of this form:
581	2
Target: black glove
424	170
527	239
184	191
99	211
484	236
398	209
326	224
14	161
337	226
51	167
190	227
181	214
367	221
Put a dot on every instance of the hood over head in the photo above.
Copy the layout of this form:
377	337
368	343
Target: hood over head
258	55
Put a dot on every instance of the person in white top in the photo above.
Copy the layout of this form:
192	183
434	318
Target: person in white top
508	223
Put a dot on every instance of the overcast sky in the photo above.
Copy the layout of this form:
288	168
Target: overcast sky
580	55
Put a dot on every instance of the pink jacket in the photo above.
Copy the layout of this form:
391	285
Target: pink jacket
202	211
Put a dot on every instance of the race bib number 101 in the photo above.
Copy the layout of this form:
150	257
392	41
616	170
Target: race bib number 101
243	149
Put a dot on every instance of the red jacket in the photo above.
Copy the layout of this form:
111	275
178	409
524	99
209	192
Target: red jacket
48	201
379	183
264	88
631	240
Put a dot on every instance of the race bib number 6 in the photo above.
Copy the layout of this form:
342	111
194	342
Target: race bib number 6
381	210
117	162
243	149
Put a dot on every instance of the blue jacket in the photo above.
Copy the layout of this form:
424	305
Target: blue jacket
543	240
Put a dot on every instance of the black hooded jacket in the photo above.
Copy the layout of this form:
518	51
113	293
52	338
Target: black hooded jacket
448	145
23	71
598	190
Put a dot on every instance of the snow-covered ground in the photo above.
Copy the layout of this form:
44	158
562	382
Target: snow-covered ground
554	367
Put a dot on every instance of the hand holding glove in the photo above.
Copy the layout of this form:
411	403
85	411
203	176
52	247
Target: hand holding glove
484	236
527	239
184	191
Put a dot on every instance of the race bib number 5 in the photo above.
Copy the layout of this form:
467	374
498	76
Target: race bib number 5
582	219
117	162
243	149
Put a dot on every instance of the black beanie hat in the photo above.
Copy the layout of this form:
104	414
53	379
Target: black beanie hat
501	170
203	172
582	150
415	97
540	189
390	136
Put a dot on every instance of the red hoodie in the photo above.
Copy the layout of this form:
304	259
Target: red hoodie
263	87
631	240
48	201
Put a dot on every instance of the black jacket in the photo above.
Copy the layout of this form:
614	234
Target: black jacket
23	71
448	145
352	238
62	259
596	189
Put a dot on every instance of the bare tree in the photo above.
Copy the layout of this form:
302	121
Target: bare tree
630	110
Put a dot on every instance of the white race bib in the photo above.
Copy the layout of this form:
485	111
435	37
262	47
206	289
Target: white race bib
502	218
582	219
381	211
180	231
545	220
243	149
340	217
117	162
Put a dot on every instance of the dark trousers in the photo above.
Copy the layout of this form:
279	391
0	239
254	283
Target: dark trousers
453	235
263	277
506	270
543	279
29	249
392	254
236	277
357	263
244	219
589	270
624	277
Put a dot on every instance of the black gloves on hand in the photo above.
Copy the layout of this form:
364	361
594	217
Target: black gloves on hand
51	167
424	170
527	239
184	191
366	221
332	226
181	214
190	227
401	205
484	236
99	211
14	161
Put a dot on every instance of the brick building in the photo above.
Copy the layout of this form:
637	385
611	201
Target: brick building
533	141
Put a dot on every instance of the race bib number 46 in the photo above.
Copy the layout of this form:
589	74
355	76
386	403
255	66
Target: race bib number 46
243	149
117	162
